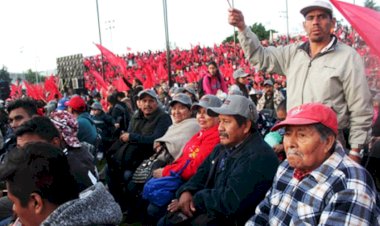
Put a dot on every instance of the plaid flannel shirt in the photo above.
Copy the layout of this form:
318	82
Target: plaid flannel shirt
339	192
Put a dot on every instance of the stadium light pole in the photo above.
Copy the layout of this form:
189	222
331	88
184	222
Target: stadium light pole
287	22
167	41
100	37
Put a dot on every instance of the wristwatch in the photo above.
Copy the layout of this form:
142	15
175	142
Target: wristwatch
359	154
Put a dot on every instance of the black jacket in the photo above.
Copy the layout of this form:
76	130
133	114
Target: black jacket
234	188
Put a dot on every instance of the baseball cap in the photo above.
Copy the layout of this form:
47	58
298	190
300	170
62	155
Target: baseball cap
254	92
61	104
77	103
316	4
190	90
207	101
240	73
67	125
181	98
236	105
148	92
268	82
96	106
308	114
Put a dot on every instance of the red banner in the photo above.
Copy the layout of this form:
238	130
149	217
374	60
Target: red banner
364	20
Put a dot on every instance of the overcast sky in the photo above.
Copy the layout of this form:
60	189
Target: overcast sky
36	32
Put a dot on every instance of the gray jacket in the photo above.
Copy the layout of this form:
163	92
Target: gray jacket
96	206
334	78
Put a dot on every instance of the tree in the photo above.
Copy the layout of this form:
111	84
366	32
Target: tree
371	4
4	74
257	28
31	76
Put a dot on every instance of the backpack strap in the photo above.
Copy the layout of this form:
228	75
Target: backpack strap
181	170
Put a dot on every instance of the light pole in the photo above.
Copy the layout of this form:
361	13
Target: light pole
287	22
167	41
110	26
100	36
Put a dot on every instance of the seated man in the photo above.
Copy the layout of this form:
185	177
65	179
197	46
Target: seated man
45	130
49	194
147	124
318	184
234	177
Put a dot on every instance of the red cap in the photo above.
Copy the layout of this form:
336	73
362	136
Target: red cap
312	113
76	103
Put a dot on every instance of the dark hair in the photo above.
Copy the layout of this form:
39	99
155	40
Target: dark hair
112	99
120	95
240	120
325	132
215	65
39	168
41	126
29	105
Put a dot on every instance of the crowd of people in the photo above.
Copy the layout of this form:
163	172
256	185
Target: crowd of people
234	142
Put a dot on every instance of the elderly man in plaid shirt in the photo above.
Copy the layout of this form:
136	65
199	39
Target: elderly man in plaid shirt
318	184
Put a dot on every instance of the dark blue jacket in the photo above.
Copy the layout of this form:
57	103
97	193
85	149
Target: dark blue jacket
231	183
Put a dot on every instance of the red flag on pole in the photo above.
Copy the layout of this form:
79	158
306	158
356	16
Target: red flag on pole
113	59
364	20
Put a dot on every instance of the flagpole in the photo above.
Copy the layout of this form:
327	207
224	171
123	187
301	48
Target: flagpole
233	6
287	22
100	37
167	41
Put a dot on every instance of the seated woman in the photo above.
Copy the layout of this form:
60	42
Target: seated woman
196	149
183	128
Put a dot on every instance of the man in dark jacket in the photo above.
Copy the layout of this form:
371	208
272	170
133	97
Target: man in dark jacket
236	175
147	124
49	195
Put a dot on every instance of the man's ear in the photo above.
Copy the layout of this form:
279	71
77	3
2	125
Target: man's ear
56	141
333	24
329	143
303	24
36	202
248	125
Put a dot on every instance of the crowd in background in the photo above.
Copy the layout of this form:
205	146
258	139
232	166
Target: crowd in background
121	115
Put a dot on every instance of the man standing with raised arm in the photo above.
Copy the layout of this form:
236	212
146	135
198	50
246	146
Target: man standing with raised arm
320	70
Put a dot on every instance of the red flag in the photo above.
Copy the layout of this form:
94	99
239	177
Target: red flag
51	88
99	80
16	90
120	84
364	20
113	59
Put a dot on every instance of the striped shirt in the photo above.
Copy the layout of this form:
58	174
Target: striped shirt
338	192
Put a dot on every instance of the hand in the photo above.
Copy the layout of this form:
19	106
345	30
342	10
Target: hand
124	137
278	148
236	18
157	146
158	173
173	206
186	204
355	158
117	125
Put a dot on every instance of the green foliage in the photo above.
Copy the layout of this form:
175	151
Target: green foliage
257	28
371	4
32	76
4	74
